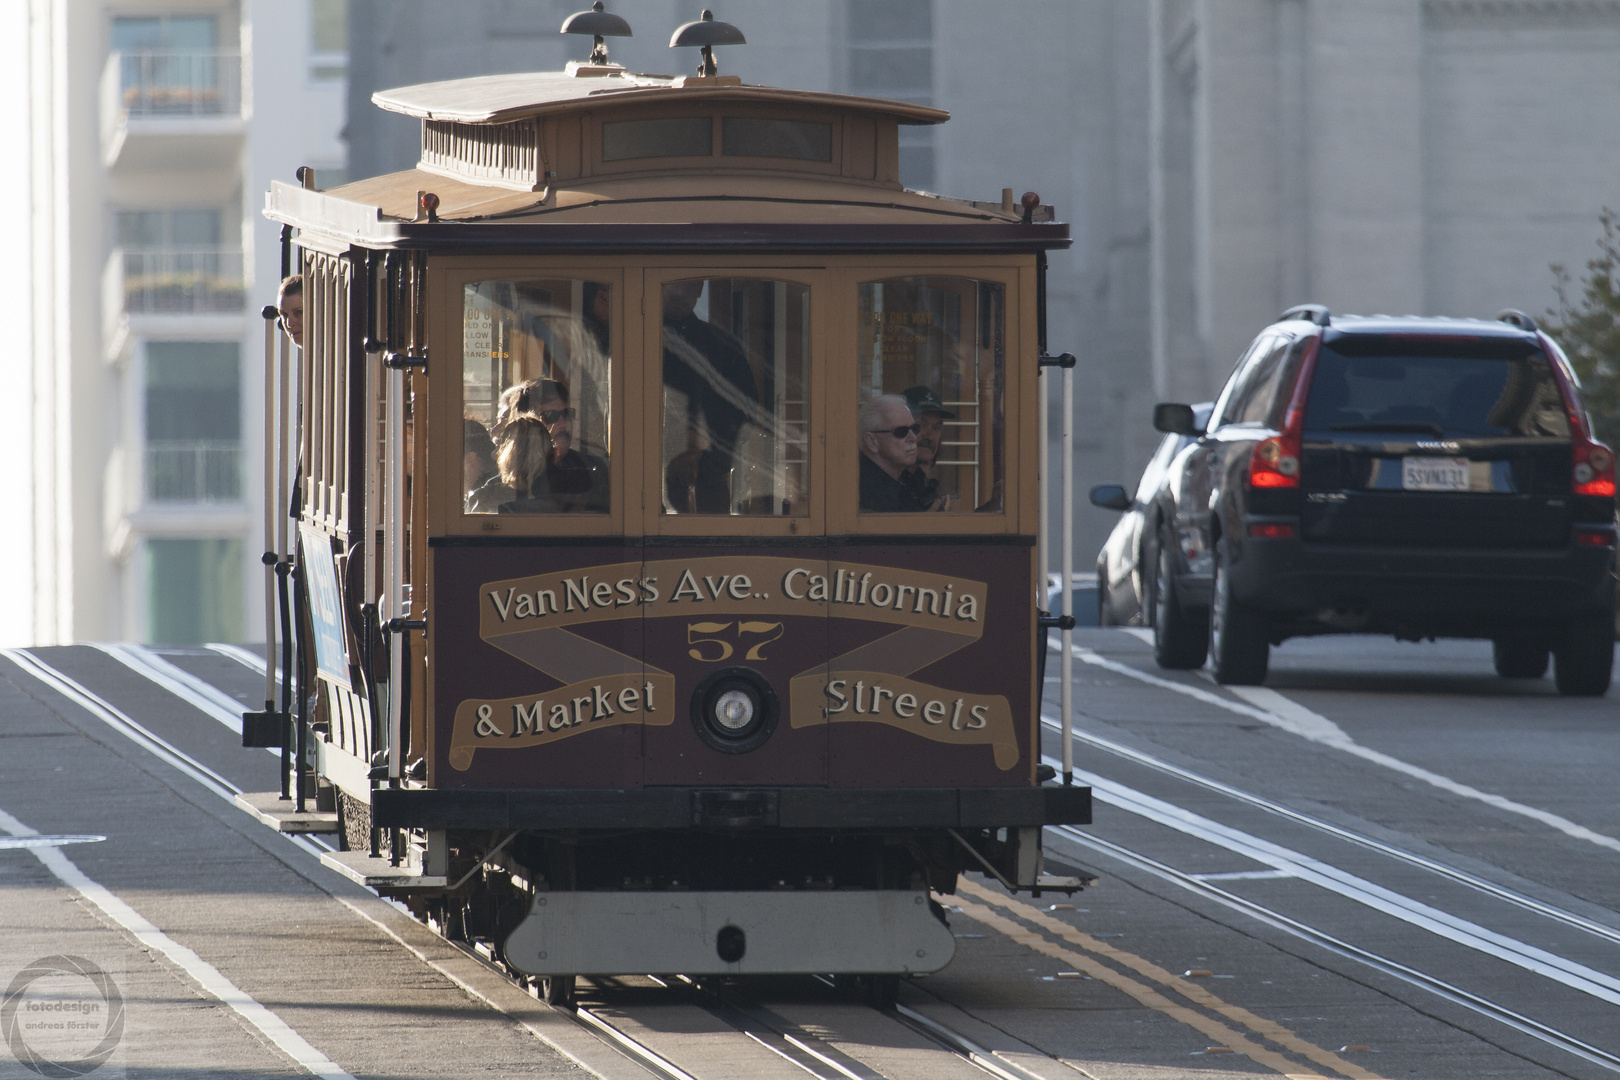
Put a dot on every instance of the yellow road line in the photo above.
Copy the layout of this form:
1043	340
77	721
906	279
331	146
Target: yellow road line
1267	1029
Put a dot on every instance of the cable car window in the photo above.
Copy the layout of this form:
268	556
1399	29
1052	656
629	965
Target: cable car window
930	426
535	393
744	136
736	400
684	136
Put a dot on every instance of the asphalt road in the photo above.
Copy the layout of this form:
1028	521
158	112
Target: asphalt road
1385	863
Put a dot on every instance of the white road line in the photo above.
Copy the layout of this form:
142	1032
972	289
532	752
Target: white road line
1461	877
242	656
114	718
1305	932
207	698
1463	932
203	973
1309	725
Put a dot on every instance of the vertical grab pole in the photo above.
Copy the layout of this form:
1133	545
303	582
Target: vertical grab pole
1066	662
394	566
284	432
270	315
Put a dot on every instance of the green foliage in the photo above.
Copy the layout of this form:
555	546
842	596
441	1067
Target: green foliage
1587	326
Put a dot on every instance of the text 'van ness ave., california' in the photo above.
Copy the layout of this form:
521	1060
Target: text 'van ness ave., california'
762	585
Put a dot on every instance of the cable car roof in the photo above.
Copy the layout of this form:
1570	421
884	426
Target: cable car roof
497	99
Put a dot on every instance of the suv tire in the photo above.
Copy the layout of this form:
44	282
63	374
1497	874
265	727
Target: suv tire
1179	640
1238	649
1519	658
1584	660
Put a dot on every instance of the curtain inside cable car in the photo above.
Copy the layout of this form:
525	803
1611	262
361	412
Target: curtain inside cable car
931	356
536	390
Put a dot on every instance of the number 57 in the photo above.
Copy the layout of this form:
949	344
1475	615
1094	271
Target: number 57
703	634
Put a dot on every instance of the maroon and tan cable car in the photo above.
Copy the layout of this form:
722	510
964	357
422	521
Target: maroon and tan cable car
667	483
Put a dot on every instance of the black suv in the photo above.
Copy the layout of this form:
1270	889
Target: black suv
1419	477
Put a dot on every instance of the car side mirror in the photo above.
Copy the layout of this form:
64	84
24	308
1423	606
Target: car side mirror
1175	419
1110	497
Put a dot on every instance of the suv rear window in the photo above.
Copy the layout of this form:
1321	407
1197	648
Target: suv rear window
1473	388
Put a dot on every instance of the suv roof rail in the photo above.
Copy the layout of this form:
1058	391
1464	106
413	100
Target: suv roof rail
1316	313
1515	317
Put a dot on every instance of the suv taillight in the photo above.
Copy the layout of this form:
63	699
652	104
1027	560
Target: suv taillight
1594	468
1274	462
1593	472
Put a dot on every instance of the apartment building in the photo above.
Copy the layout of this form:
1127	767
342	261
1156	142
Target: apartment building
154	128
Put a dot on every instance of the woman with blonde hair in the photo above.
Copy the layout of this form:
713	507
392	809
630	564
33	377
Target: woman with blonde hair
522	453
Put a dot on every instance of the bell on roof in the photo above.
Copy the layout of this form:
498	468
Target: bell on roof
599	24
707	33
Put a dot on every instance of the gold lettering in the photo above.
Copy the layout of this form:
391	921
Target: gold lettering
601	704
627	590
571	591
525	606
579	717
900	595
559	718
956	715
649	590
905	706
629	699
741	586
602	594
860	688
649	699
981	717
878	694
716	590
818	587
864	579
544	599
934	712
881	589
967	608
933	601
486	723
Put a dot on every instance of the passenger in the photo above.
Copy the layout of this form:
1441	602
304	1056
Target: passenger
888	448
477	459
290	302
710	369
929	411
522	456
577	481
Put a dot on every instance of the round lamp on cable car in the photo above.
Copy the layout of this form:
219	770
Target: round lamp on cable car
706	32
734	710
599	24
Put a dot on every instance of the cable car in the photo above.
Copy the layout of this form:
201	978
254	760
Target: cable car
662	589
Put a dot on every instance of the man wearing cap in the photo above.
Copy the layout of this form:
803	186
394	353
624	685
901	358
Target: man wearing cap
930	412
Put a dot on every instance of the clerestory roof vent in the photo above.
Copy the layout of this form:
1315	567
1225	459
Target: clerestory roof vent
505	155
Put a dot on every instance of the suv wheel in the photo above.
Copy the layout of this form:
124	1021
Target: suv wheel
1179	640
1584	660
1518	658
1238	648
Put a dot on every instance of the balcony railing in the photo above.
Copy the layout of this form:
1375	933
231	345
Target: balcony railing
174	281
172	83
194	470
163	87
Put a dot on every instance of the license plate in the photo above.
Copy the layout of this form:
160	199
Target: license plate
1434	474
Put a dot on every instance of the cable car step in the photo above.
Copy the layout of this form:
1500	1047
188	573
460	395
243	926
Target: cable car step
278	813
376	872
861	931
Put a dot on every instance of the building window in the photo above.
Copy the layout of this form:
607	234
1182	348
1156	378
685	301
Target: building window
193	422
891	55
172	262
328	40
193	590
170	65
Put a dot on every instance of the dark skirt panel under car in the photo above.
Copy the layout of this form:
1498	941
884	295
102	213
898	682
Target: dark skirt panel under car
1408	476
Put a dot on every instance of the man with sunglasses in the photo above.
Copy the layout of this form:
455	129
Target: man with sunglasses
576	480
888	448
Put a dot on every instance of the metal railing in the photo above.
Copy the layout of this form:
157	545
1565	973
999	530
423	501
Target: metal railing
171	83
171	281
194	470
